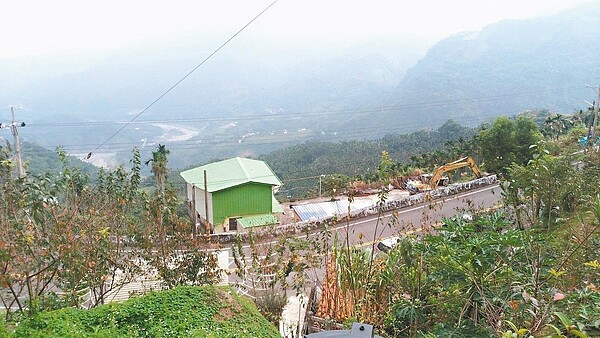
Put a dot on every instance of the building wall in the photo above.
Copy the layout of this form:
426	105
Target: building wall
241	200
195	191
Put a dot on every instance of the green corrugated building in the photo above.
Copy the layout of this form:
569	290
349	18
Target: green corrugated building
239	194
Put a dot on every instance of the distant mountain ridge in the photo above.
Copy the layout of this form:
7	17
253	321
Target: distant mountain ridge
260	98
245	78
82	107
507	67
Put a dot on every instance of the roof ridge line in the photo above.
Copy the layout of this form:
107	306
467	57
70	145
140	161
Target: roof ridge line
243	168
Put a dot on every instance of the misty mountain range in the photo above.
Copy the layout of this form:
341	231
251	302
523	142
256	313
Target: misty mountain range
509	67
242	103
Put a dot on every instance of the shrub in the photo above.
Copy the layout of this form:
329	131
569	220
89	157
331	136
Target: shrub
184	311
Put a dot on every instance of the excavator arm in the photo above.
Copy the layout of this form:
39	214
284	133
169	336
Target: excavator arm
460	163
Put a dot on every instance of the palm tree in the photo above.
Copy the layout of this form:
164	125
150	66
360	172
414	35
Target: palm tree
557	125
159	166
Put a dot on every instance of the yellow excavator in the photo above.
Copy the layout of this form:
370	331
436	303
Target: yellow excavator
431	181
460	163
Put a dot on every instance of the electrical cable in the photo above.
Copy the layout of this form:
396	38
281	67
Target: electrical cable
181	80
307	114
362	132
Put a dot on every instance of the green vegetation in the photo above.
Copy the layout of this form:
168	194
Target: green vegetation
479	275
507	141
183	311
494	147
527	269
301	165
461	79
40	161
61	232
65	242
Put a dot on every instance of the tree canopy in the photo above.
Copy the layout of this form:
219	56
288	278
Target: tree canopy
507	141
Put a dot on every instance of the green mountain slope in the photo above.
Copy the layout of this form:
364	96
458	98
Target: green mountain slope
506	68
39	160
299	166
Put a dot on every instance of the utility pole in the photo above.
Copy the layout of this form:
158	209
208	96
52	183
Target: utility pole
590	123
596	108
13	127
320	184
194	213
206	205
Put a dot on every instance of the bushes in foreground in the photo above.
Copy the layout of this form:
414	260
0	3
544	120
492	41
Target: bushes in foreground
181	312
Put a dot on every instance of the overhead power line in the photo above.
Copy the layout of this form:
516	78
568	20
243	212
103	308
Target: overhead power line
288	115
358	132
182	79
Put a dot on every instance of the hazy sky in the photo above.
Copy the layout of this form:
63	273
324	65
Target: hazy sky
62	27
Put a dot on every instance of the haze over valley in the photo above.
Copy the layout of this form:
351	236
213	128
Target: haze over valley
257	95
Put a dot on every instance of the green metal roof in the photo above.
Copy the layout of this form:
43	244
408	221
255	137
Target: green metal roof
257	220
229	173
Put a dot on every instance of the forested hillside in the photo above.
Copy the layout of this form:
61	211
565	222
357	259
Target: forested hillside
271	96
506	68
246	106
358	158
39	160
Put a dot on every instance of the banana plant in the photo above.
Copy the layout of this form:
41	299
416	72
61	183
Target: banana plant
515	332
569	330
